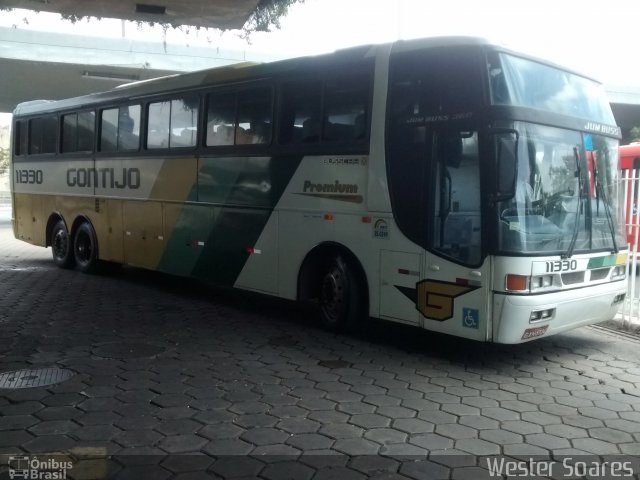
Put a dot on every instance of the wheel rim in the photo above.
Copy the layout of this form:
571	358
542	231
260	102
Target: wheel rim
60	243
333	294
83	247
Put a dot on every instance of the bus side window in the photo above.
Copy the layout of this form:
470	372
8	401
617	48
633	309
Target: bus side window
220	119
42	135
300	112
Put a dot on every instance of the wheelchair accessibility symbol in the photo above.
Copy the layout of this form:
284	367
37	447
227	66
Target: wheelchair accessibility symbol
470	318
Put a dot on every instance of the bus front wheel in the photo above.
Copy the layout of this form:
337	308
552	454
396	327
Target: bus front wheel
340	296
85	248
61	245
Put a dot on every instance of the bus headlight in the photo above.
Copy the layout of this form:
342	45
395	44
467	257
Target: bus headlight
619	272
524	283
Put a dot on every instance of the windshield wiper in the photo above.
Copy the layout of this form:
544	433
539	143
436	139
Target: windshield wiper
574	237
600	192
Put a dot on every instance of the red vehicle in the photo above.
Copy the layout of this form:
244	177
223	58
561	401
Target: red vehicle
630	166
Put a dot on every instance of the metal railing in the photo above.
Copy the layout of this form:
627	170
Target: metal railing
630	310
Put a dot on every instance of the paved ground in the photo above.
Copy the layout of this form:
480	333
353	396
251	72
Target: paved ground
250	387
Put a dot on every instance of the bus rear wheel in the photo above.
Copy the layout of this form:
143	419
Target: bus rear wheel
85	248
61	245
340	296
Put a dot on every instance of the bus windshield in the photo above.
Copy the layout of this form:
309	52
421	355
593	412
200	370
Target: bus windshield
566	197
520	82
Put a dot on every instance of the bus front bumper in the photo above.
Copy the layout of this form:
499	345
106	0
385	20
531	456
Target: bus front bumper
569	309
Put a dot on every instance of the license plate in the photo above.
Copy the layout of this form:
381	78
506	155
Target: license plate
534	332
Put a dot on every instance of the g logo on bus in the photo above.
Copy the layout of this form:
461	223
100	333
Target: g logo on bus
436	298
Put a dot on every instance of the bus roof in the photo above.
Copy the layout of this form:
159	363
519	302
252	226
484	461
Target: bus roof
241	71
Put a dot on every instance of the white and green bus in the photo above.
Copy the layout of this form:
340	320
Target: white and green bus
446	183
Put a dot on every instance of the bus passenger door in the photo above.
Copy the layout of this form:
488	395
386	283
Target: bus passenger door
453	296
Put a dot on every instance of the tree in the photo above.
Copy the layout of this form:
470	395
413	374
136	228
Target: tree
635	134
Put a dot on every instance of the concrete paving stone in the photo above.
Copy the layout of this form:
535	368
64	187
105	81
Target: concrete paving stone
356	446
460	409
521	427
288	411
382	400
421	469
264	436
356	408
137	438
69	399
182	443
318	404
385	436
396	412
187	463
49	444
614	406
420	404
631	449
249	407
54	427
343	397
256	420
471	473
365	389
22	408
424	387
101	391
309	441
633	416
138	422
175	413
237	466
341	430
441	397
478	422
462	391
437	417
582	422
95	404
179	427
525	452
541	418
623	425
598	413
13	438
320	459
135	396
500	414
499	395
214	416
333	386
297	425
431	441
356	380
610	435
369	420
545	440
288	470
373	466
328	416
338	473
557	409
500	437
574	402
227	446
595	446
480	402
477	446
589	395
279	400
275	453
16	422
566	431
96	432
220	430
307	393
456	431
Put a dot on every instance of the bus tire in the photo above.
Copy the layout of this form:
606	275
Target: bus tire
85	248
61	250
340	296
